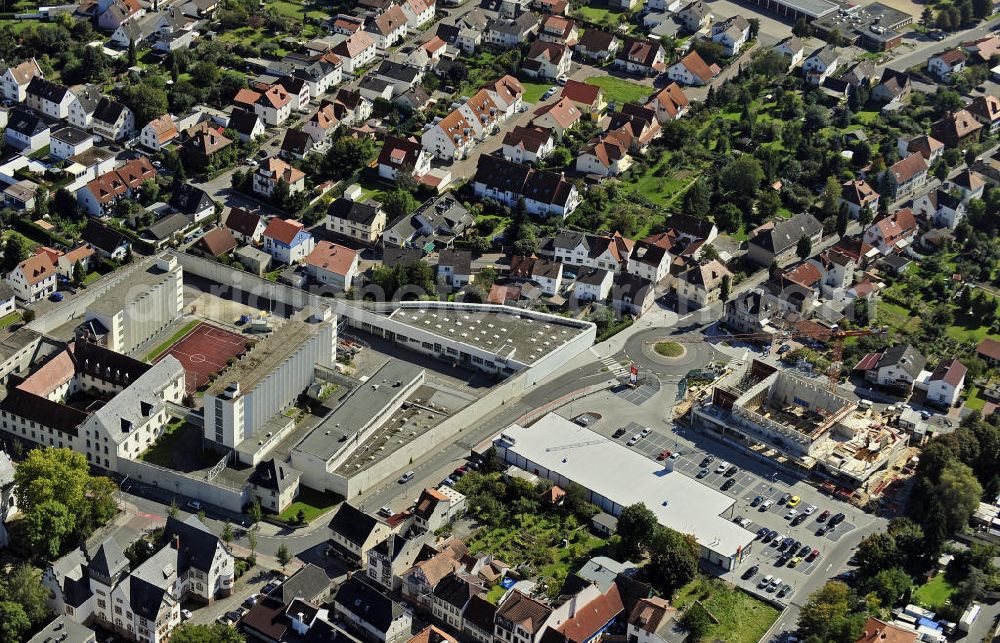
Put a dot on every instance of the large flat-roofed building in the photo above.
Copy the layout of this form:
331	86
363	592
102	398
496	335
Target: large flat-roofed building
268	377
139	305
616	477
877	27
358	416
496	339
795	9
799	422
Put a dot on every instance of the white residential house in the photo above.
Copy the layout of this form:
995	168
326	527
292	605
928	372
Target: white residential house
158	132
51	99
793	49
34	278
388	28
81	108
267	175
357	51
821	64
274	106
15	80
945	384
331	264
418	12
946	64
732	34
287	240
594	284
112	121
69	141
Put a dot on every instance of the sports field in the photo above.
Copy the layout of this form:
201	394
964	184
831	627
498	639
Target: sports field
204	351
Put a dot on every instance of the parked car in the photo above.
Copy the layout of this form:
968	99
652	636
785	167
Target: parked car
762	532
784	591
768	536
775	584
764	582
185	615
823	516
766	505
406	477
785	498
836	520
794	561
707	460
813	555
794	501
663	455
634	439
619	433
193	505
791	514
674	455
384	511
722	466
756	501
702	473
750	572
809	509
731	471
728	484
799	519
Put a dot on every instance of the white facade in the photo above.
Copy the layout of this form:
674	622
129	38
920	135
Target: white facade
121	128
234	412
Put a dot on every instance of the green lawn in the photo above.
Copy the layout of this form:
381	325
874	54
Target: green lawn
165	346
600	15
91	277
974	402
7	320
161	453
741	617
495	594
294	10
620	91
934	593
314	503
533	91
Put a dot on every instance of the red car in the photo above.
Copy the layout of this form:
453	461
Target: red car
663	455
823	516
813	555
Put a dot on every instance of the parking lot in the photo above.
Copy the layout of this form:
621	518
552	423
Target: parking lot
745	487
639	394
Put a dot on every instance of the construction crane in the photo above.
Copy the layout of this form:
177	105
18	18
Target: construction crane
835	336
574	445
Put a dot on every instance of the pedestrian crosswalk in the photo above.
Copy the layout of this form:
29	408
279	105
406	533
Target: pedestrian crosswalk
615	367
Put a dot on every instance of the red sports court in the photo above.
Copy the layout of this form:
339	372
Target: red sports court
204	351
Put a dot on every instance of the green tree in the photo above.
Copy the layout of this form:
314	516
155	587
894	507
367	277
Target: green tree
696	199
79	274
742	176
673	560
133	57
865	215
398	203
23	585
696	621
828	615
254	512
281	193
48	527
146	100
284	556
636	525
876	552
804	247
801	28
768	205
173	509
843	217
227	533
14	623
346	156
252	540
725	287
41	202
16	251
958	492
889	585
214	633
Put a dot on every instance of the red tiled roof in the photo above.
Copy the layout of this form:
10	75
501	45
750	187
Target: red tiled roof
590	619
283	230
581	92
331	258
877	631
37	268
989	348
951	372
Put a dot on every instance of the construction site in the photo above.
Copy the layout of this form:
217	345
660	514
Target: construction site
800	423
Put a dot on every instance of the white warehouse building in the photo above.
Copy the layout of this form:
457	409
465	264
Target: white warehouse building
616	477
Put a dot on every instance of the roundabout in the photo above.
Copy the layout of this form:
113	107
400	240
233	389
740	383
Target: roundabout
669	356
